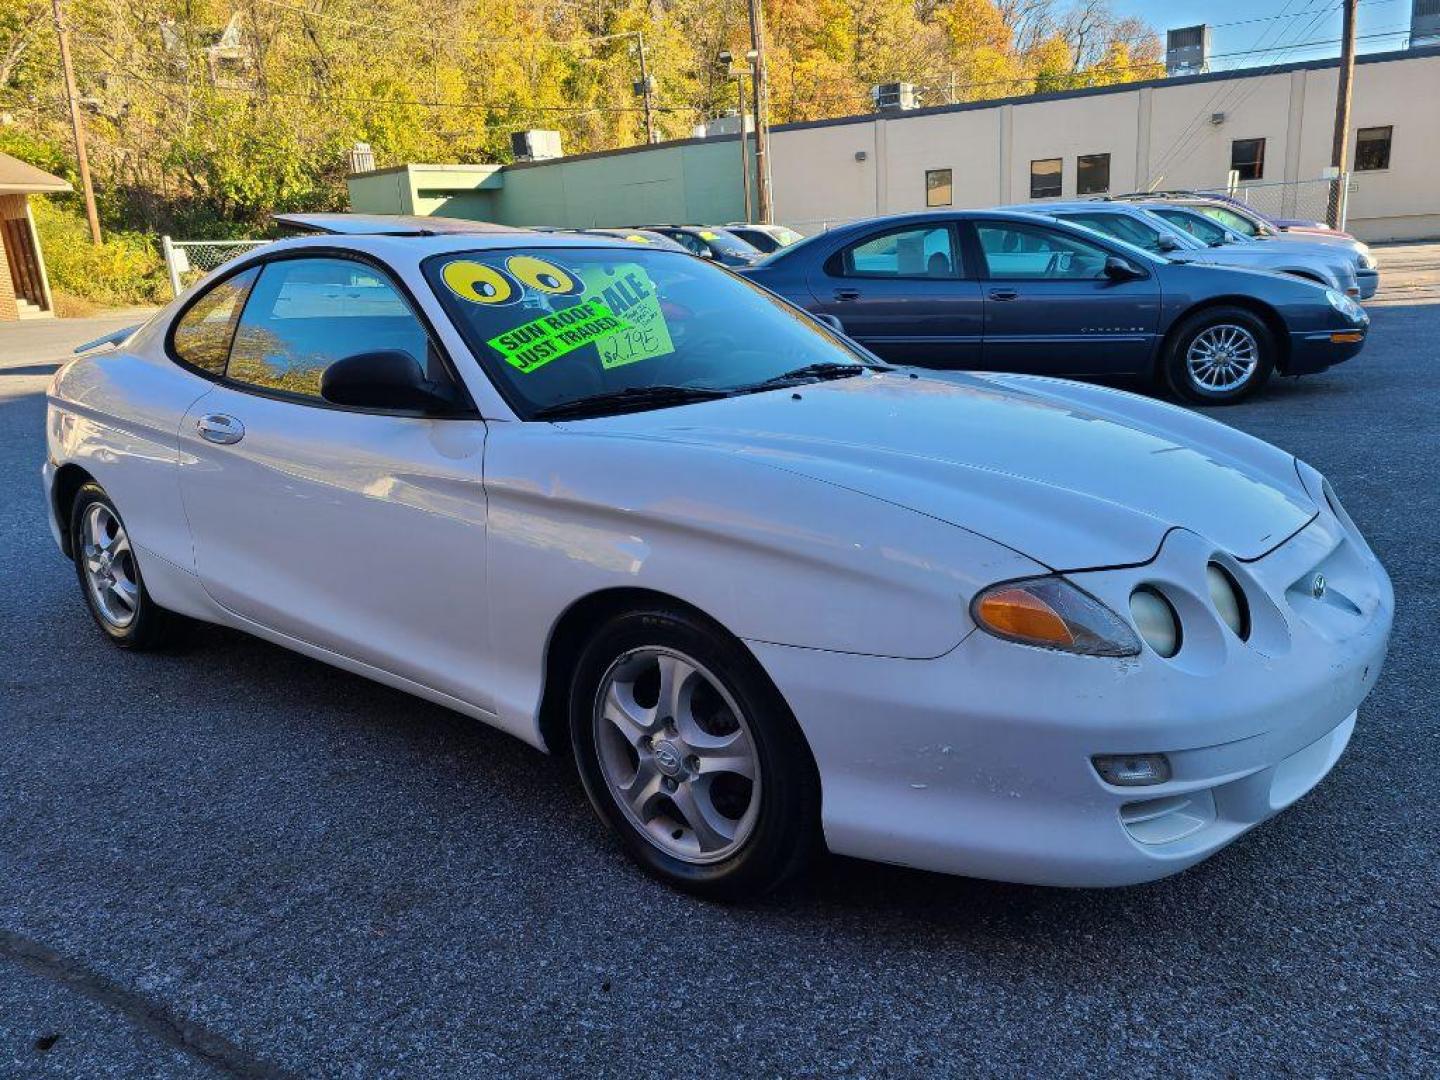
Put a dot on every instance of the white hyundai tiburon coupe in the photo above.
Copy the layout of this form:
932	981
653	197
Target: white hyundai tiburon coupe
770	593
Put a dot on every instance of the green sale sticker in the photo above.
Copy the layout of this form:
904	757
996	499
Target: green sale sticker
551	336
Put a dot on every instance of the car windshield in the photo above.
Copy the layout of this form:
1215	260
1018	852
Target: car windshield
726	243
1231	220
1197	225
554	325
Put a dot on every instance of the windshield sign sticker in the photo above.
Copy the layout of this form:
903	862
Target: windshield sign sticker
628	291
707	235
550	337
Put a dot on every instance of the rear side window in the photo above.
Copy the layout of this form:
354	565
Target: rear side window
927	251
305	314
202	336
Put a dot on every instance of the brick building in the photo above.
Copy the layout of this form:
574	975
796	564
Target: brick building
24	288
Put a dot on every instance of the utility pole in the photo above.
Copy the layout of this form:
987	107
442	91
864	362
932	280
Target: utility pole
765	207
1339	149
646	88
75	122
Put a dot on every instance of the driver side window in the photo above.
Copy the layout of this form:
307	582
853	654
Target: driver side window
1033	253
305	314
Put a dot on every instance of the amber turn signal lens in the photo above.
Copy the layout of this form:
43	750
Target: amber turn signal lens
1019	614
1347	337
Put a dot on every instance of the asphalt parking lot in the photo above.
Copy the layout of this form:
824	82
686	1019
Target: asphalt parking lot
232	860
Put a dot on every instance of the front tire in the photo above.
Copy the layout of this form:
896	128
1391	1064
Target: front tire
1220	356
109	574
691	756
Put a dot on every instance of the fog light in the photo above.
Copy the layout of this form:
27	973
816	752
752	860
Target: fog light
1132	770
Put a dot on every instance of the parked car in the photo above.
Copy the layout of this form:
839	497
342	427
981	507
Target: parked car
1282	224
1246	222
637	236
764	238
626	505
1020	292
710	242
1216	233
1152	230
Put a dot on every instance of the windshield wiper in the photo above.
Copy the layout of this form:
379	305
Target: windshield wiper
825	369
631	397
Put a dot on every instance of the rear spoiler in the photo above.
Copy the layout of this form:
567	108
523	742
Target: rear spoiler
109	339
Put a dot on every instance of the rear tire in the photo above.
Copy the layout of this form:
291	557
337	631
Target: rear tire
109	574
689	754
1219	356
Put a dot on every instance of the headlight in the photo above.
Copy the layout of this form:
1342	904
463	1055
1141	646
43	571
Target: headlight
1229	601
1345	306
1156	620
1368	261
1054	614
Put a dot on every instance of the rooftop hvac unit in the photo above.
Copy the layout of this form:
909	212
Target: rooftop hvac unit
893	96
1425	23
535	145
729	124
1187	50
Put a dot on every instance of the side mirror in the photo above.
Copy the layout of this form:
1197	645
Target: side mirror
1118	269
1169	243
386	379
831	321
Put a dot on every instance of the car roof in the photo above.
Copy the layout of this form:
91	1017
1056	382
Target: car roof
389	225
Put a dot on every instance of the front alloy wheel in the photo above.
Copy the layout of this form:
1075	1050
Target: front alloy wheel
690	755
1219	356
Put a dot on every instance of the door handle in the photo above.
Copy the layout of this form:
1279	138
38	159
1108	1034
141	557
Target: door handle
847	294
1004	294
219	428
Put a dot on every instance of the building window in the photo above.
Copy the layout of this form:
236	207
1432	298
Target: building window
1247	158
1045	178
938	190
1092	174
1372	149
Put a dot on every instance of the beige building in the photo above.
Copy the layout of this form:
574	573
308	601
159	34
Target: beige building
1274	127
1270	127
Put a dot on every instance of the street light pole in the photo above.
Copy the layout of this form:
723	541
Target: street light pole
765	205
744	150
68	71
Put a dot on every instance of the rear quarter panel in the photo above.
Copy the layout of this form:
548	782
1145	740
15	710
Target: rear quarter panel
116	415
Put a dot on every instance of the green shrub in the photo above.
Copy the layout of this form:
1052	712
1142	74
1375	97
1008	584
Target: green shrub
126	269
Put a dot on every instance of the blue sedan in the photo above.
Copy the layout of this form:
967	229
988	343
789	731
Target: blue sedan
1016	292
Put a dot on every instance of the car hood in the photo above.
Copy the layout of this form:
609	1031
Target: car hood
1071	475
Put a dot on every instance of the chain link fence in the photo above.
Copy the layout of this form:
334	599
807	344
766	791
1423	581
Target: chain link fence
187	261
1305	200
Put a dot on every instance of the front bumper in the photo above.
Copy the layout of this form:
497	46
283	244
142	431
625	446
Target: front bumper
979	762
1315	350
1368	281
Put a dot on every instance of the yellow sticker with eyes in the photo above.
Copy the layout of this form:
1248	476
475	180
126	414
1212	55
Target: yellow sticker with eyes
536	343
627	290
541	275
709	236
478	283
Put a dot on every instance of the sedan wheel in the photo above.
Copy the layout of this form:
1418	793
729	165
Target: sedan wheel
1219	355
691	756
1223	357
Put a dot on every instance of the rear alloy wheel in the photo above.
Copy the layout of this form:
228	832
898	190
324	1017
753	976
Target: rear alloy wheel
690	755
110	575
1220	356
